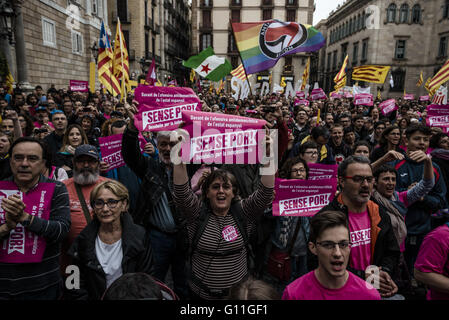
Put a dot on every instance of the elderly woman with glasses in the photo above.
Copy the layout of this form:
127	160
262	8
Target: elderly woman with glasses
110	245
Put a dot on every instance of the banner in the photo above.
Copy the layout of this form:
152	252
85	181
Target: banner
111	150
221	138
300	94
23	246
336	95
388	106
302	198
348	95
162	118
302	101
159	97
318	94
79	85
365	99
409	96
357	90
424	98
438	116
318	171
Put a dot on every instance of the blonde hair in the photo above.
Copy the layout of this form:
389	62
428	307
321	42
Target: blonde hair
117	188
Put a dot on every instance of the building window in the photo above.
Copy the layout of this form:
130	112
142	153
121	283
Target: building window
391	13
351	30
267	14
126	36
288	62
400	49
77	42
206	19
404	13
291	2
291	15
364	51
416	13
122	10
232	44
344	52
236	2
398	79
446	9
329	60
334	65
48	32
205	41
355	53
442	49
235	15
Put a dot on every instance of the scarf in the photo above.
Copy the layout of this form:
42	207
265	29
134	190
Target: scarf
440	153
397	220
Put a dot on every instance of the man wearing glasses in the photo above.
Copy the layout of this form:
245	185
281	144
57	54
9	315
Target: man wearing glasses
373	242
329	242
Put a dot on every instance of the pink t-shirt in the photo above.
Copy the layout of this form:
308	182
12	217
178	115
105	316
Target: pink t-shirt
433	256
309	288
360	237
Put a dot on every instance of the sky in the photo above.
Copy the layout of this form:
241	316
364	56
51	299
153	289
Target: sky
323	8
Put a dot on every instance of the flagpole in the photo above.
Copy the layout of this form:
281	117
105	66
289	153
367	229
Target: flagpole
244	69
119	25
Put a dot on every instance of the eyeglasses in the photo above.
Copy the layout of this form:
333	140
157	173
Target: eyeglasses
313	153
330	245
298	170
112	203
360	179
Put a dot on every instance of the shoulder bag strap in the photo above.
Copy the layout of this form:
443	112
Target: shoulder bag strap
83	203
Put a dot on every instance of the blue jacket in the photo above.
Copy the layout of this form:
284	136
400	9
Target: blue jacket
418	214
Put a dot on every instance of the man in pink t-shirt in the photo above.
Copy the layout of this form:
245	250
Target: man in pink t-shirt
432	263
329	241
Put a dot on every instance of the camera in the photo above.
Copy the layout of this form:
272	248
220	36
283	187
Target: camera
268	109
86	109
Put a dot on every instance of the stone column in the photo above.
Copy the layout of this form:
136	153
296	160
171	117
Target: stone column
5	38
22	67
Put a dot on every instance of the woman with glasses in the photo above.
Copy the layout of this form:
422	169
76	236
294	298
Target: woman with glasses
308	151
389	140
111	244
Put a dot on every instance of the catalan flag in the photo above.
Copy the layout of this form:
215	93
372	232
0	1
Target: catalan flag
261	44
375	74
239	72
340	84
342	73
441	77
420	80
305	75
221	85
121	59
426	86
105	72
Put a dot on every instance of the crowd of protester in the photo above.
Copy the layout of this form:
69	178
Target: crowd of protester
126	228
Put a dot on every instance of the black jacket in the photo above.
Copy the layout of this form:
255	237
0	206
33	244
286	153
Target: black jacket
137	257
386	249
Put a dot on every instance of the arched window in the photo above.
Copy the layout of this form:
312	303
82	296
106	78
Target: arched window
404	13
391	13
416	13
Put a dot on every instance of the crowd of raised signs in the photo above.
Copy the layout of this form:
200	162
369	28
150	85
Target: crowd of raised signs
168	220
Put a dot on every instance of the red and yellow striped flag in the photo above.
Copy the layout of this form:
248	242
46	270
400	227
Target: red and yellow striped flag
121	59
441	77
340	84
375	74
239	72
342	73
420	80
305	75
105	70
426	86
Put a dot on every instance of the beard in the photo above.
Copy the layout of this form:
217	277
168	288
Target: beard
86	176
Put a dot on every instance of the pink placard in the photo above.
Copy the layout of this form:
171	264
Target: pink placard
336	95
388	106
162	97
424	98
302	198
438	116
318	94
221	138
300	94
79	85
409	96
111	150
365	99
23	246
348	95
162	118
318	171
302	101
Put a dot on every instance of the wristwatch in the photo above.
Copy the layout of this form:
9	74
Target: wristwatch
27	221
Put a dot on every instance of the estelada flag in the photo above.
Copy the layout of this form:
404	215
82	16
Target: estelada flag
375	74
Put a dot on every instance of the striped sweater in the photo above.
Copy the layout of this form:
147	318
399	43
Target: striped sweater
219	272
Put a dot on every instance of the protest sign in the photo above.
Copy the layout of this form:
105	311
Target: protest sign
438	116
318	94
302	198
388	106
161	97
318	171
221	138
424	98
111	150
365	99
79	85
409	96
23	246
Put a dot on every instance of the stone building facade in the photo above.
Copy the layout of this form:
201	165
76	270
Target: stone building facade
409	35
58	35
211	27
154	28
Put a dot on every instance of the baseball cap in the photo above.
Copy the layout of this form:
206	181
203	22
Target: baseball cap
41	108
86	150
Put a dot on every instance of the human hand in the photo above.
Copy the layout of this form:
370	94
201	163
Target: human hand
14	208
393	155
149	148
418	156
104	166
387	287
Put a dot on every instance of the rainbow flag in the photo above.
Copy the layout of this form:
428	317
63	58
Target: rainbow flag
261	44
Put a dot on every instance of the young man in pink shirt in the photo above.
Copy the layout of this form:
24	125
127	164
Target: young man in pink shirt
329	241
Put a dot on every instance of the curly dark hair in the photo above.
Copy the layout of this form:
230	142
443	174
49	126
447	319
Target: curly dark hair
284	172
224	175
